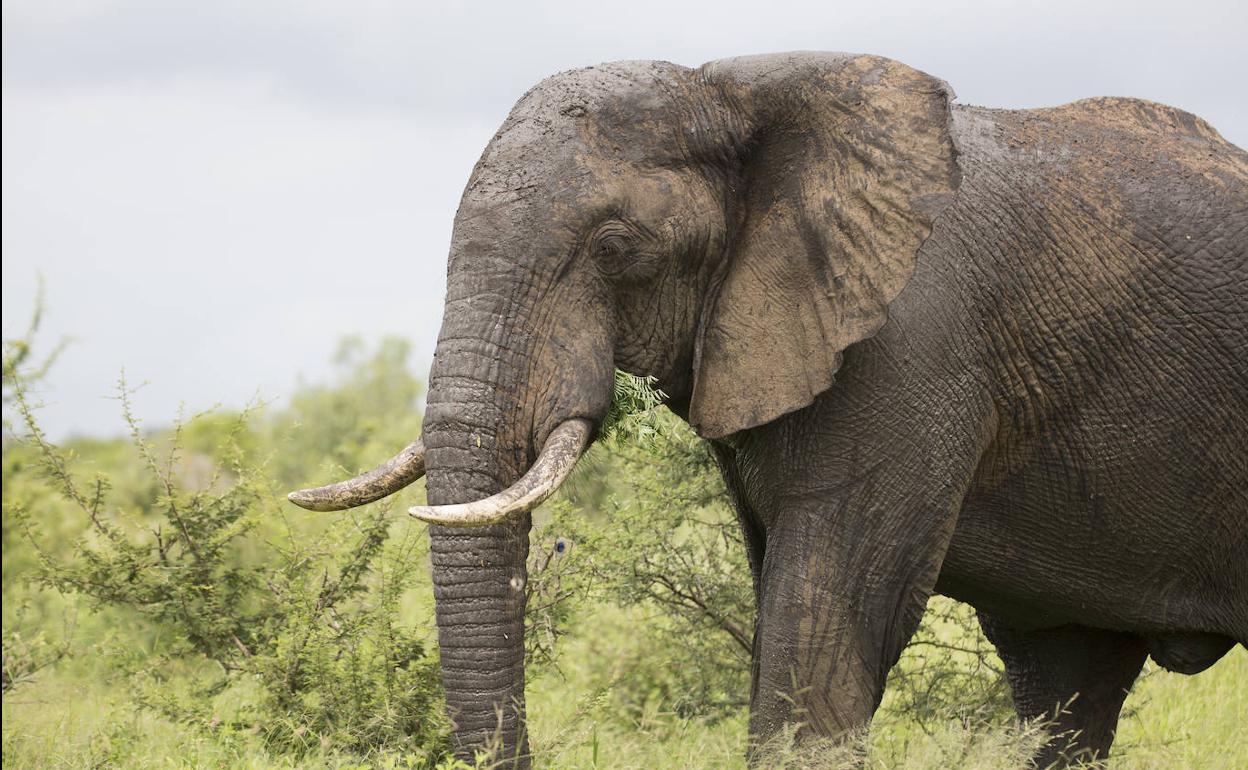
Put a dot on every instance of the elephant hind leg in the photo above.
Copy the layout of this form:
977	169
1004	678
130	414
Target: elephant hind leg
1076	676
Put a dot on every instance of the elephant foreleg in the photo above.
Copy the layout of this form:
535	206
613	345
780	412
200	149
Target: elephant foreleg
1076	676
841	596
858	502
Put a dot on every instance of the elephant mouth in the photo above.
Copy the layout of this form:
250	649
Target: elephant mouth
563	447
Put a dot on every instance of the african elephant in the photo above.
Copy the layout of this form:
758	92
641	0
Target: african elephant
997	354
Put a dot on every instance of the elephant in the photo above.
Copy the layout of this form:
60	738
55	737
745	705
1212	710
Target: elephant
995	354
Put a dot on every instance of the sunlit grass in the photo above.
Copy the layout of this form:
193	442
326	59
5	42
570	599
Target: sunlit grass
1177	721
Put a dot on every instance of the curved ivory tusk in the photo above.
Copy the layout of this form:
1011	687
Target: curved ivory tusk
386	479
563	448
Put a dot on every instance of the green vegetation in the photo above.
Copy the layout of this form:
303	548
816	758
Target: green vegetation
164	607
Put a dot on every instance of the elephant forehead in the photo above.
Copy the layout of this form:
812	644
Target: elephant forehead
590	87
641	112
650	195
559	120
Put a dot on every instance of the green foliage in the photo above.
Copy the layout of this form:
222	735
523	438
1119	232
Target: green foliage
630	419
268	623
665	540
368	411
964	745
949	670
28	651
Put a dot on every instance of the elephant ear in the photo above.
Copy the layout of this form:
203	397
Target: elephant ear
845	161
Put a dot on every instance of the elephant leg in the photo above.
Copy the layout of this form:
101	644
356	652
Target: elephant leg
841	596
1076	676
858	498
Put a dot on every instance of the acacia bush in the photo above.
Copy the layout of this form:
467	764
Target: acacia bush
271	621
661	538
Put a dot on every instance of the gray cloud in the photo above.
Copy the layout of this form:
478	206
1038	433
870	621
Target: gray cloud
476	58
217	191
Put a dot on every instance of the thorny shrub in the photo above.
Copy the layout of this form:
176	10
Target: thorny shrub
294	623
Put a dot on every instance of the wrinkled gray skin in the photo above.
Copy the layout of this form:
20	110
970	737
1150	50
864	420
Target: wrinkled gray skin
999	355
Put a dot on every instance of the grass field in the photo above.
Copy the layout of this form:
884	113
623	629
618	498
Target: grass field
77	718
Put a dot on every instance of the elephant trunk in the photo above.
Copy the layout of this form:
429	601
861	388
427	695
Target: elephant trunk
479	574
510	409
479	578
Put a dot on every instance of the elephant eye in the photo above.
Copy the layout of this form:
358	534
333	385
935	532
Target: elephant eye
613	246
625	252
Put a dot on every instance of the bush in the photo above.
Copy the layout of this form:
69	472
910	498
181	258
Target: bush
287	629
28	651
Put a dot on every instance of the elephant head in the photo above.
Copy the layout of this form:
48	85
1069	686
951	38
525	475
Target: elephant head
729	230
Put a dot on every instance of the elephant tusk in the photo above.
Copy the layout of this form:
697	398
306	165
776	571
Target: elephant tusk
386	479
562	449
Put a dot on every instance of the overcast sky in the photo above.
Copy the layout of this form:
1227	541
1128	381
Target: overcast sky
217	192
